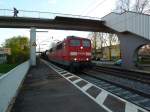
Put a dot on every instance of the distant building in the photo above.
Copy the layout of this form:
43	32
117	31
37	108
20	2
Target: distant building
111	53
97	55
3	54
107	53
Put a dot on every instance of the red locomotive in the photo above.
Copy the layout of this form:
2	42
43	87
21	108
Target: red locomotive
73	52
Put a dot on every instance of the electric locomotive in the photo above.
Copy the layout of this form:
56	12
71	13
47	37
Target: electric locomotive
73	52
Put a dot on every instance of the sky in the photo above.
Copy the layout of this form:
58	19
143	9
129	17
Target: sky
94	8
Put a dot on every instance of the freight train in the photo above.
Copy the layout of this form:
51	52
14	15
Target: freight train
73	52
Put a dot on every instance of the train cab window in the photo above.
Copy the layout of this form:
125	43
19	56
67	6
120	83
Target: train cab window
86	43
75	42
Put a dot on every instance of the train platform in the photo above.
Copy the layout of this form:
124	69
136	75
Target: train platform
48	88
44	90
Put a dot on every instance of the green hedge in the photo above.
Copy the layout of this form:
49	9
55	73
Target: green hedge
4	68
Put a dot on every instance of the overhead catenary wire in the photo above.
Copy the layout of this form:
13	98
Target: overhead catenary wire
89	6
96	5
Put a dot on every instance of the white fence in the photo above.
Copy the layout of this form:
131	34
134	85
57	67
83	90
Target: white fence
9	84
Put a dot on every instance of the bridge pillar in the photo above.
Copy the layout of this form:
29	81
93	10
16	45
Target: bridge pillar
33	46
129	45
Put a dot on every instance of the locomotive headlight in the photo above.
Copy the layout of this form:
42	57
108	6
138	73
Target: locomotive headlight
81	47
75	59
87	59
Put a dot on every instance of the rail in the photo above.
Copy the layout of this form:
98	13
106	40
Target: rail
10	83
122	91
39	14
143	77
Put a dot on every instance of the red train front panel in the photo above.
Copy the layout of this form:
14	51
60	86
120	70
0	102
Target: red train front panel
79	49
71	50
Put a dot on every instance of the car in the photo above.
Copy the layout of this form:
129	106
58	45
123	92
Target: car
118	62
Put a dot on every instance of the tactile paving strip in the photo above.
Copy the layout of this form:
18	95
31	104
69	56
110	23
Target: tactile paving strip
105	99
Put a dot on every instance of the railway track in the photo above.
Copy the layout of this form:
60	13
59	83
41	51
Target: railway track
128	94
123	73
123	79
129	88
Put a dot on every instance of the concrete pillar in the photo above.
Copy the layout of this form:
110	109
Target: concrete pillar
33	46
129	45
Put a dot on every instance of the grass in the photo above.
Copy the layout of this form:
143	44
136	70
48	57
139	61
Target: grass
4	68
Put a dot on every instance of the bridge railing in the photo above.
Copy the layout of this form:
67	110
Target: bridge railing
10	83
39	14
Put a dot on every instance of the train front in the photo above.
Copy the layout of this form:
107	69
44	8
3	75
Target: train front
80	52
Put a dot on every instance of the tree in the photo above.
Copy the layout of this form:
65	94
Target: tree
100	40
112	40
92	37
19	49
139	6
123	5
142	6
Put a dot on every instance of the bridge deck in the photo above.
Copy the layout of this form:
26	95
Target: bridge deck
60	23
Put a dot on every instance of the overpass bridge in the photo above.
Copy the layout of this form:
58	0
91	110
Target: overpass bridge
58	23
133	29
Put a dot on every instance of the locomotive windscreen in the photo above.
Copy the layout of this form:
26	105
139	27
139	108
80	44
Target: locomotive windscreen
86	43
75	42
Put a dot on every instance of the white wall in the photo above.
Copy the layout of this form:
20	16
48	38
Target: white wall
129	21
9	84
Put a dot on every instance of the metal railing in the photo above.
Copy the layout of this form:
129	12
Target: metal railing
39	14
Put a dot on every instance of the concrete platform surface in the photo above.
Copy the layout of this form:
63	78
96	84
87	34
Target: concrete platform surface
45	91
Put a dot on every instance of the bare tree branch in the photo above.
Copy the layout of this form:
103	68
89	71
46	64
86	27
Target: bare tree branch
139	6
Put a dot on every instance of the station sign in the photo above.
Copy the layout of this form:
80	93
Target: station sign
34	44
